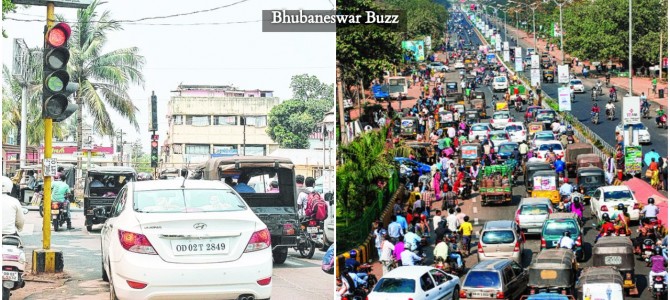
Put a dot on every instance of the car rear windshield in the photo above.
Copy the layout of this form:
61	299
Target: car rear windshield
498	136
482	279
545	147
498	237
187	201
513	128
501	79
480	128
559	227
395	285
618	196
501	116
506	148
591	178
534	209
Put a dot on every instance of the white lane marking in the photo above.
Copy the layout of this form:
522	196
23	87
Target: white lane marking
474	210
27	229
476	221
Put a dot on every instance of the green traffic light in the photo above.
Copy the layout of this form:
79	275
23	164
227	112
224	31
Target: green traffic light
55	84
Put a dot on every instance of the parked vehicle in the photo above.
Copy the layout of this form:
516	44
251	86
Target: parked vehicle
102	186
416	282
498	278
618	252
500	239
553	271
531	214
13	264
554	228
600	283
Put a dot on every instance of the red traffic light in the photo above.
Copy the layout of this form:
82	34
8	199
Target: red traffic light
58	35
154	144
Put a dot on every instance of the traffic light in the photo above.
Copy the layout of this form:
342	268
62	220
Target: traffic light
56	81
154	151
153	107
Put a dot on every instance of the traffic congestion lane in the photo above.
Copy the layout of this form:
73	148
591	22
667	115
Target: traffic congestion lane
297	278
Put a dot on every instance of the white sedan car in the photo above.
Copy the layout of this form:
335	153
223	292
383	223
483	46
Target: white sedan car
516	131
416	282
642	131
544	146
606	199
480	130
577	86
459	65
196	240
500	119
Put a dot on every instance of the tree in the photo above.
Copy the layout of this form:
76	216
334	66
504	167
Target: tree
307	87
291	122
104	78
7	6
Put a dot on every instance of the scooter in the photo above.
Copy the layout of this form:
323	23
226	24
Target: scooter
647	250
594	118
13	265
659	288
610	114
645	112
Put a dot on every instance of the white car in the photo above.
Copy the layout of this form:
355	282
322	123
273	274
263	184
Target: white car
500	83
498	137
500	119
577	86
544	146
642	131
516	131
193	240
531	214
416	282
459	65
438	67
480	130
606	199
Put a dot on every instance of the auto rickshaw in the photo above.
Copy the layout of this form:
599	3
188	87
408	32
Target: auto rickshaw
530	169
409	127
588	180
589	160
425	152
600	283
449	102
534	127
548	75
545	185
618	252
480	106
451	87
501	105
447	119
571	153
460	108
479	95
471	116
553	271
469	153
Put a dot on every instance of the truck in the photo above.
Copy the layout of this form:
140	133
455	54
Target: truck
495	183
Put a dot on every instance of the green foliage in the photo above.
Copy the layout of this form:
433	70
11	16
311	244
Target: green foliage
291	122
306	87
7	6
424	17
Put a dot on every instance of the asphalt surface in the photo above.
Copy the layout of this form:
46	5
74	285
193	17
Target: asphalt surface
297	278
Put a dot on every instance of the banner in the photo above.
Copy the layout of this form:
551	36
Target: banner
498	43
633	159
469	152
631	110
506	46
534	77
557	30
416	48
518	60
564	103
534	61
542	183
506	55
563	74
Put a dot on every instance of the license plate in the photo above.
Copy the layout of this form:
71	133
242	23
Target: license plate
54	212
479	294
658	286
200	246
534	229
10	275
312	229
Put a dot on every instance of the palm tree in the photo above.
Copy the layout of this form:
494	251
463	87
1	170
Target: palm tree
103	78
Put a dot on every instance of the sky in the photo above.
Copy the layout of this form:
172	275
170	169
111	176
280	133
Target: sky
238	54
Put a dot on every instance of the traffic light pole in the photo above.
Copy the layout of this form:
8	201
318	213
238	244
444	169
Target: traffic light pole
48	151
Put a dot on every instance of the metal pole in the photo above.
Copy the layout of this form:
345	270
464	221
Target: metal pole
560	10
323	135
630	47
340	102
48	151
24	125
534	32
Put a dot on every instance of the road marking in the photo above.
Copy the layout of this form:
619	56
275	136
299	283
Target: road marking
474	210
476	221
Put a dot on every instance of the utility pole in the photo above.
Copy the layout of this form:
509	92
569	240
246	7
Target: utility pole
630	47
48	151
340	103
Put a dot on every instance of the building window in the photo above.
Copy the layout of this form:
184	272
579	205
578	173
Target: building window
197	149
178	120
257	121
225	120
197	120
252	150
224	150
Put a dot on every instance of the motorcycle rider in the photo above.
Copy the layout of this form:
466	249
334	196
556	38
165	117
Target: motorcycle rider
566	241
607	78
595	110
650	210
644	105
59	192
566	188
353	265
606	228
659	114
613	93
408	257
12	212
577	206
657	266
599	87
609	108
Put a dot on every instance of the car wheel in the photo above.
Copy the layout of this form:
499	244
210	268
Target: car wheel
279	255
112	291
89	228
456	294
105	278
5	293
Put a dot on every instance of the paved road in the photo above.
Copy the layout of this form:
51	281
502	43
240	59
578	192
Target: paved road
582	107
297	278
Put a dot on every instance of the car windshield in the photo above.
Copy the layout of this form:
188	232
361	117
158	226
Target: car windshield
480	128
498	237
545	147
395	285
187	201
544	116
514	128
482	279
618	196
506	148
498	136
573	82
591	178
534	209
559	227
501	116
501	79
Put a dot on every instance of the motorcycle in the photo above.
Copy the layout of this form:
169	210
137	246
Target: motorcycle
613	96
372	278
610	114
13	265
662	122
659	287
594	118
518	106
59	215
594	95
645	112
599	89
647	250
306	246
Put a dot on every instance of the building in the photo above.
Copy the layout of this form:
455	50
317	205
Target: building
209	121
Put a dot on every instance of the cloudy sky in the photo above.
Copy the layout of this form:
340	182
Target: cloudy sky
218	54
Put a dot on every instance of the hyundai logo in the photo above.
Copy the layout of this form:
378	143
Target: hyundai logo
199	226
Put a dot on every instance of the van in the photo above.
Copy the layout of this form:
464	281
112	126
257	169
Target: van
500	239
495	279
500	84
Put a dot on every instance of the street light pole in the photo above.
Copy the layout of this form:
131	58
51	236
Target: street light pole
560	12
630	47
534	32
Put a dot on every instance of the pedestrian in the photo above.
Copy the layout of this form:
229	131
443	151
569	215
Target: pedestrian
610	169
452	221
378	232
437	219
654	81
466	233
460	215
386	257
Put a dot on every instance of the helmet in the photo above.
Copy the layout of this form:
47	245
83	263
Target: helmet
565	179
658	250
353	253
606	217
7	185
650	200
609	102
594	104
566	233
620	206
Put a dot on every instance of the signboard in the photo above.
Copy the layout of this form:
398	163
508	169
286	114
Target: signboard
445	118
49	167
73	149
490	58
506	55
534	77
518	60
517	53
631	110
564	99
506	46
563	74
498	43
57	3
534	61
427	41
469	152
415	48
541	183
633	159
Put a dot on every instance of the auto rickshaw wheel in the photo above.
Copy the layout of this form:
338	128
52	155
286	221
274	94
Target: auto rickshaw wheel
89	228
